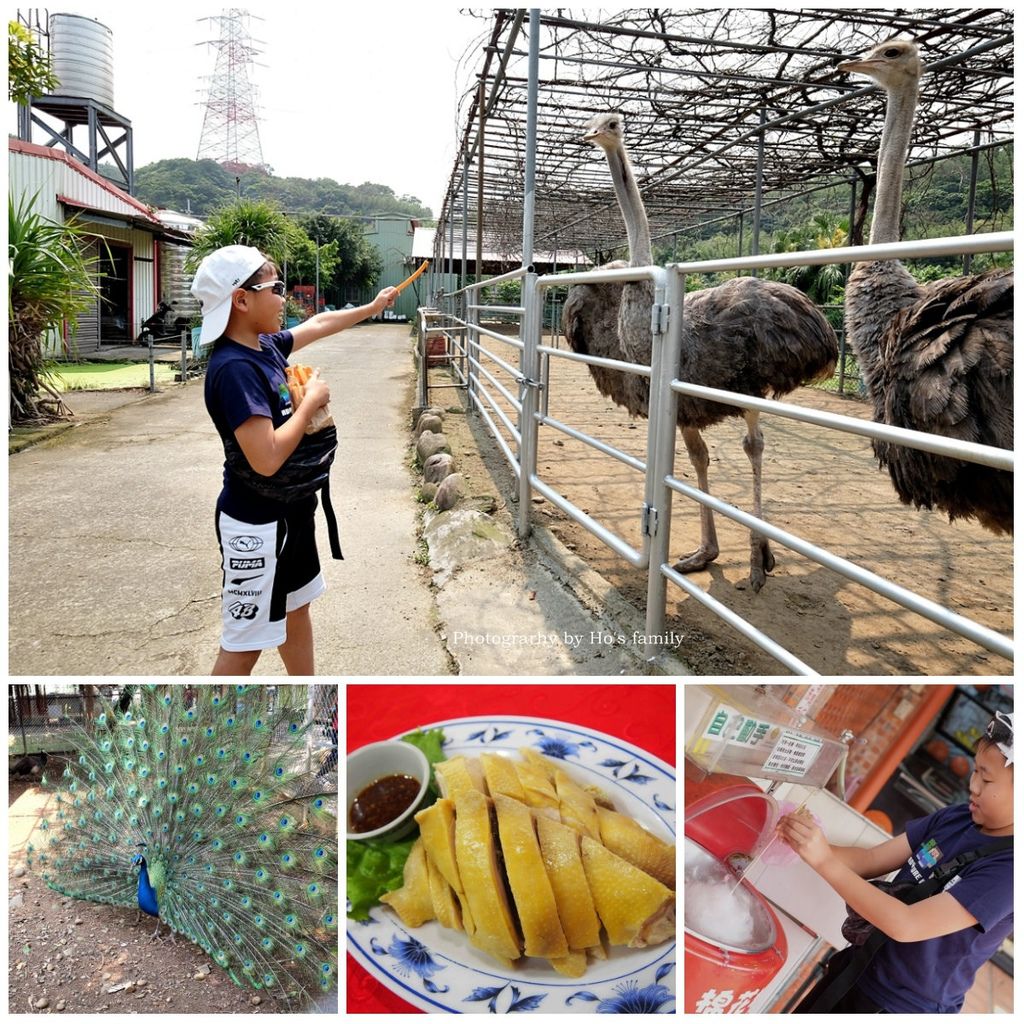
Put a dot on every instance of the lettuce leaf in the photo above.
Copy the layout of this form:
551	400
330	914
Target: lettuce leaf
430	743
374	867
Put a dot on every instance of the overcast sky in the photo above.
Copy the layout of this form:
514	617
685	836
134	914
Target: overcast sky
364	92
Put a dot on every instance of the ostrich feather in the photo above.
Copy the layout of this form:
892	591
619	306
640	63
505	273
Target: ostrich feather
936	357
761	338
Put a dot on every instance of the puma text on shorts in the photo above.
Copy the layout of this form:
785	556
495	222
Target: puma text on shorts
270	569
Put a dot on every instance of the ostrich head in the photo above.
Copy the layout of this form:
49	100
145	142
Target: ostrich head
604	130
894	64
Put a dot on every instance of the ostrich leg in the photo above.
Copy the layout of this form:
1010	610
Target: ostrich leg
708	550
761	558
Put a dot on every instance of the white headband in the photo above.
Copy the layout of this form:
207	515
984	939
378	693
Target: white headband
1005	719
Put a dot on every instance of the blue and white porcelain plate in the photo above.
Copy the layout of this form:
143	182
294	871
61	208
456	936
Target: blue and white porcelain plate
437	970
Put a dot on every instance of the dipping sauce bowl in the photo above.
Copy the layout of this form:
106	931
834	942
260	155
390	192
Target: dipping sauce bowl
377	761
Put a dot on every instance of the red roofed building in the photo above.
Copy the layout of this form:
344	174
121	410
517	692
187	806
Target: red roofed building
125	232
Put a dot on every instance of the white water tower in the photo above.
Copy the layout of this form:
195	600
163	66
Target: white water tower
87	127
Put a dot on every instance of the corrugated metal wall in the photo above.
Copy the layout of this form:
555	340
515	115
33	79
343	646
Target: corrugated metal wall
45	179
392	237
86	339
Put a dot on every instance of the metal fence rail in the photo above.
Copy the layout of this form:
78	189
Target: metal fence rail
660	482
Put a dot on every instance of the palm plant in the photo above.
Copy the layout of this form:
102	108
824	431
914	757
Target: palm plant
49	284
822	284
245	222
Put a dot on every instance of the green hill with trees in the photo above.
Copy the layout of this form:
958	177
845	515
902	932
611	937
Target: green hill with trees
203	186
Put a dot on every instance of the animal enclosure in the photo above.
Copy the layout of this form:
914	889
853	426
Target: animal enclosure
784	123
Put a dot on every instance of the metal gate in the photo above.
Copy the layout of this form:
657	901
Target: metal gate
525	360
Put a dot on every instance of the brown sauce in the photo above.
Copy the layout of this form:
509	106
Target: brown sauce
382	801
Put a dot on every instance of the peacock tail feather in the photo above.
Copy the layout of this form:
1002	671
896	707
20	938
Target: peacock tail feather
240	845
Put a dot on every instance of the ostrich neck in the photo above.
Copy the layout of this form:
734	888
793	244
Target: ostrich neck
892	159
637	231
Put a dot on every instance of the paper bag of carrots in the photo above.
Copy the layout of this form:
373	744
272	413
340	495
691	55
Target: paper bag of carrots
298	377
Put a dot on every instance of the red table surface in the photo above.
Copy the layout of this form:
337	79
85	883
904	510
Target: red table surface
644	715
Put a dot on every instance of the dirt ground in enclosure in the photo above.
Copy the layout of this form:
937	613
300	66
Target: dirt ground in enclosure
73	956
822	485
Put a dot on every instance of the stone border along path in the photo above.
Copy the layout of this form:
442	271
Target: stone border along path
114	567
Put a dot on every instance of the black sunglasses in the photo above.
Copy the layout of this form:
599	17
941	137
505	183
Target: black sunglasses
277	287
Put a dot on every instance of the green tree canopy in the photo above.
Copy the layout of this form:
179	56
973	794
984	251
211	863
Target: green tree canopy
204	185
245	222
359	264
28	67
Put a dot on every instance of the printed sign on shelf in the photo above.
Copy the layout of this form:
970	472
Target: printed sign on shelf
794	754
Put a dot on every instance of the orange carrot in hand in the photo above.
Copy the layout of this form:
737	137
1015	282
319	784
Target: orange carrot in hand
412	277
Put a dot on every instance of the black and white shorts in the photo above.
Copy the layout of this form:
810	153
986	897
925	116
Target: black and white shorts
270	569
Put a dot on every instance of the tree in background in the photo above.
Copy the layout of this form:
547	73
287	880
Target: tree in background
822	284
359	264
348	263
303	257
49	283
204	185
28	68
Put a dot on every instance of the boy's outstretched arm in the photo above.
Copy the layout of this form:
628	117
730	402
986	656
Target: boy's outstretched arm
935	916
334	320
875	861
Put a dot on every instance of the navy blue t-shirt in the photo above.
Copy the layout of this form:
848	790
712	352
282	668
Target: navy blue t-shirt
240	383
934	975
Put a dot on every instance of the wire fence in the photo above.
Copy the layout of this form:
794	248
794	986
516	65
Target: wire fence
43	718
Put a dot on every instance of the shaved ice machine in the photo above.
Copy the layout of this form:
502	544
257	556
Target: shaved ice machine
734	944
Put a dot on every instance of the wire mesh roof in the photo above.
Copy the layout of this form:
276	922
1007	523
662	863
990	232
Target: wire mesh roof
697	88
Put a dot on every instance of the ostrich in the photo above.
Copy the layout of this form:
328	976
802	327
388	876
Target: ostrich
760	338
936	357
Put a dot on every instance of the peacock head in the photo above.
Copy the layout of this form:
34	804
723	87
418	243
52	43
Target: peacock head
604	130
892	64
139	860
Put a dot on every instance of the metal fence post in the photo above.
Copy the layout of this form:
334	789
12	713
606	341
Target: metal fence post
650	513
471	343
530	169
421	355
755	240
972	195
184	358
661	454
846	278
152	368
529	387
465	219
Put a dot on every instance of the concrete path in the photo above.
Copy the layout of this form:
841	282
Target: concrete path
114	567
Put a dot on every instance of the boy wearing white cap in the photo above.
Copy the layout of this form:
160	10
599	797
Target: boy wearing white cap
273	469
917	942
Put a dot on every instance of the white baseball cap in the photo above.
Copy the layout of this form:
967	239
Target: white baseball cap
217	278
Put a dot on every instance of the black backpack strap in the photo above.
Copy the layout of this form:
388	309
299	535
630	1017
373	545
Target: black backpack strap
842	970
946	871
332	522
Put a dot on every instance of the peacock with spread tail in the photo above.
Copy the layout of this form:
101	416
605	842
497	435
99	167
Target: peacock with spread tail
194	805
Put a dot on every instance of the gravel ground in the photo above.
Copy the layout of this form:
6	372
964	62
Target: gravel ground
821	485
72	956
